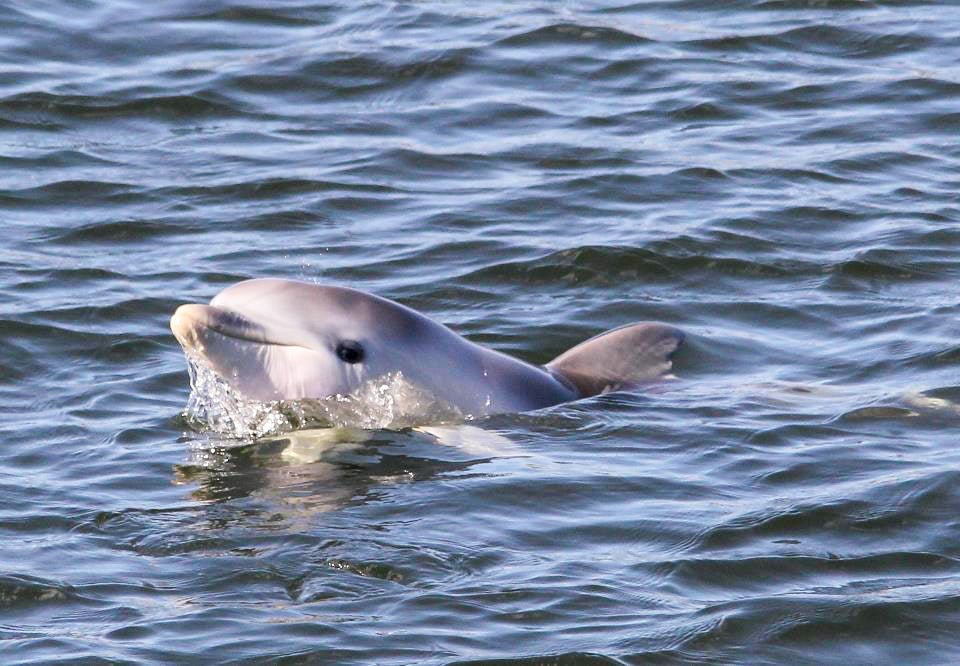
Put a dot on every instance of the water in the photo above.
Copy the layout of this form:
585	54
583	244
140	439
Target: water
779	178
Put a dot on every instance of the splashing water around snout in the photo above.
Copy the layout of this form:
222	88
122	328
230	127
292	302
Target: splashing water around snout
389	401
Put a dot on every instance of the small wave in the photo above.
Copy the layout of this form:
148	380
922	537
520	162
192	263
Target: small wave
820	39
54	159
561	34
368	73
254	16
15	590
64	192
800	5
176	106
272	188
124	231
609	264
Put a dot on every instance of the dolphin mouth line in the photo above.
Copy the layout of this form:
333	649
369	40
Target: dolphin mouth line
234	335
188	320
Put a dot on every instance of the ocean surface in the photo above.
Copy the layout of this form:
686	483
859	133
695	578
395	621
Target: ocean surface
778	178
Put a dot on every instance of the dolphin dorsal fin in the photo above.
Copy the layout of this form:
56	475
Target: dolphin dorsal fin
620	358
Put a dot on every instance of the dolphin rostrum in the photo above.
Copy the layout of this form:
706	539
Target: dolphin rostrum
274	339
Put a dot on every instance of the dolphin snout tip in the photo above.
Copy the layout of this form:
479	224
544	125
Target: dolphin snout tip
185	323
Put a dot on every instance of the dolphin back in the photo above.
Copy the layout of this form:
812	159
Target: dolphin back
619	359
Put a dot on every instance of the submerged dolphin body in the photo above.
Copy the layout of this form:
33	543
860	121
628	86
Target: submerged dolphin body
274	339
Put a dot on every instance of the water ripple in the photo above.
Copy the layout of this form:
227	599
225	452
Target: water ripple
776	177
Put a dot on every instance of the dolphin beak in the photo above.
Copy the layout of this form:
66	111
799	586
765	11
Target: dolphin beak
191	323
236	348
185	324
256	359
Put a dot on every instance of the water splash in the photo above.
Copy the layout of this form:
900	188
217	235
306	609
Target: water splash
389	401
214	405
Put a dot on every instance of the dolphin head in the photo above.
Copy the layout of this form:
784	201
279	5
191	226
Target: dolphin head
277	339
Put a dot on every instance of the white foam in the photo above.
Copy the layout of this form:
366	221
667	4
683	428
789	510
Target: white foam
386	402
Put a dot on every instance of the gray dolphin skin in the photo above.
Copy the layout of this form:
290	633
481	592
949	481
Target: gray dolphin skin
274	339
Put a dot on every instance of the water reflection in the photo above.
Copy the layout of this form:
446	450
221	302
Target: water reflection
306	472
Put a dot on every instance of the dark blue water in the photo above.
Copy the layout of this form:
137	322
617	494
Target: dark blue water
779	178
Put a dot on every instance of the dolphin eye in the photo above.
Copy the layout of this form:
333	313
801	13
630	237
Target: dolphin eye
350	351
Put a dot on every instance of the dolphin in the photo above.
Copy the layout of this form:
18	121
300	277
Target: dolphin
274	339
